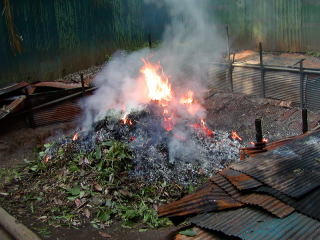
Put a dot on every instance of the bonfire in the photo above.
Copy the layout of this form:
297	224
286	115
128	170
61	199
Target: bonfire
128	163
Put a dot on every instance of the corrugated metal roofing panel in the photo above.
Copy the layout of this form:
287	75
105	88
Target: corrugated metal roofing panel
210	198
239	179
283	85
247	81
57	85
267	202
12	107
308	204
248	223
64	112
292	168
312	92
7	90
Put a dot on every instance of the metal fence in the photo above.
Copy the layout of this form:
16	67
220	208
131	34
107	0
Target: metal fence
299	85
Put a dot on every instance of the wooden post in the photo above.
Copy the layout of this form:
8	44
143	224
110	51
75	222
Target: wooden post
14	228
230	70
149	40
301	84
228	43
262	71
304	110
82	84
258	126
304	120
29	116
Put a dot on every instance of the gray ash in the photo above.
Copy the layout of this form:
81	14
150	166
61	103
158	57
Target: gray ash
182	155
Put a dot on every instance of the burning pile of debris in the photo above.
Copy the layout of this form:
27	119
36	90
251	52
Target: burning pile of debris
169	139
128	163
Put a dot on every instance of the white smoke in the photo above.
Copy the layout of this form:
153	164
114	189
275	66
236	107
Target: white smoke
189	42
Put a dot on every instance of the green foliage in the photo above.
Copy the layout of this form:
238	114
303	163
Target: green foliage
188	232
9	174
313	53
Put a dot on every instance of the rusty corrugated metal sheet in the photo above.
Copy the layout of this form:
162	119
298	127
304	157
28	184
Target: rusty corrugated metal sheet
287	168
57	85
210	198
267	202
64	112
249	223
64	109
308	204
201	234
240	180
12	88
12	107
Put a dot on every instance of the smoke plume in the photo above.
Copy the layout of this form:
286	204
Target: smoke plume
188	44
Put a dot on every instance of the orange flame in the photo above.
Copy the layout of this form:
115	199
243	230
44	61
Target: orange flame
236	136
75	136
203	126
187	98
126	120
265	140
159	88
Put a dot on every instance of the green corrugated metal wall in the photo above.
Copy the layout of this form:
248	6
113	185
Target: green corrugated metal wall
61	36
282	25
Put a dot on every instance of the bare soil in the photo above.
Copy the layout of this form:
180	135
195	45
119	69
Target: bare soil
278	58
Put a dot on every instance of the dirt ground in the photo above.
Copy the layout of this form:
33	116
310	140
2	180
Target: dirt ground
278	58
114	232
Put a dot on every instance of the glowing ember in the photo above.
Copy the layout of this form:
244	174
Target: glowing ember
75	136
126	120
159	88
265	140
235	136
203	126
187	98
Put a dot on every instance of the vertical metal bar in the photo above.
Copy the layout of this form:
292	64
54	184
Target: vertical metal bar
304	110
82	84
228	43
301	85
262	70
29	116
304	120
149	40
230	70
230	74
258	126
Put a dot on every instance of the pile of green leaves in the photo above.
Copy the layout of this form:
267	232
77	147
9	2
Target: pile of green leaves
74	187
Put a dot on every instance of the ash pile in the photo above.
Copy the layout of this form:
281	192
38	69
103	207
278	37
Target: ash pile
160	153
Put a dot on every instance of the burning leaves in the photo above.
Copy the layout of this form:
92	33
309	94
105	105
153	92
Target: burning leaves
159	88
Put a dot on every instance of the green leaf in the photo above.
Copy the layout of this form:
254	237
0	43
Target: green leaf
107	143
75	191
188	232
72	198
34	168
98	153
81	194
100	165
